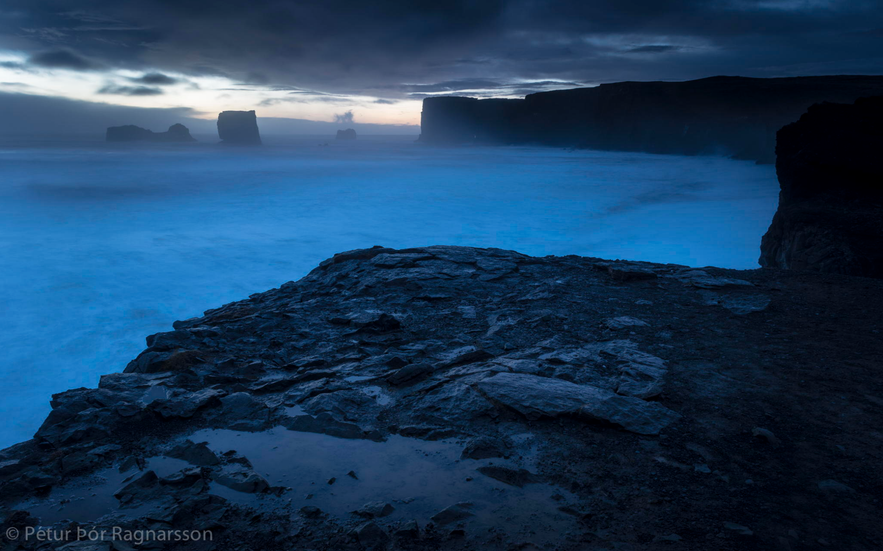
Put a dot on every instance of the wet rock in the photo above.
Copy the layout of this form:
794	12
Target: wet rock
143	488
834	487
375	509
187	404
738	529
623	322
241	479
767	436
485	448
410	374
196	454
536	397
512	477
371	535
311	512
77	462
408	531
454	513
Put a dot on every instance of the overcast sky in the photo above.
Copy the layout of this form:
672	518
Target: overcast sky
378	58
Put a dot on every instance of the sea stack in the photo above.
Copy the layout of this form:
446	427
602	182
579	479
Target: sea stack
830	169
348	134
132	133
239	127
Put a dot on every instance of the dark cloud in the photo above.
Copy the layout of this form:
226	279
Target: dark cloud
12	65
382	101
63	59
113	89
397	49
652	49
155	79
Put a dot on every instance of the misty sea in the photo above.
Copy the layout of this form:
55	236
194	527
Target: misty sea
104	244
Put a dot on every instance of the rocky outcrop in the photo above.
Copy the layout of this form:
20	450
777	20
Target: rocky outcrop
239	128
132	133
457	398
348	134
720	115
830	169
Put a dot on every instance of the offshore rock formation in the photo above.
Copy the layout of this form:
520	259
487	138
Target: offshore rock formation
132	133
457	398
239	127
830	169
730	115
348	134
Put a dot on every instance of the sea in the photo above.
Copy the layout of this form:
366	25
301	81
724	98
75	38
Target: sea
103	244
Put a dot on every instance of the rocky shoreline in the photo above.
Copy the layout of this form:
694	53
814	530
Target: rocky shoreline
459	398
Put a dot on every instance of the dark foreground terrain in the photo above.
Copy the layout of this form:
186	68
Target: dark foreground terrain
456	398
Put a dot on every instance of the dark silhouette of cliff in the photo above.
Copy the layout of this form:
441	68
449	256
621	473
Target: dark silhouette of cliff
830	168
348	134
736	116
239	127
132	133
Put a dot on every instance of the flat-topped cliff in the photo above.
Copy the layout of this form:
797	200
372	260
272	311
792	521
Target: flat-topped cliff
735	116
457	398
239	128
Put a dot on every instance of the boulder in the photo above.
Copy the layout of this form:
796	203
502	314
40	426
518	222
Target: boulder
239	127
830	215
536	397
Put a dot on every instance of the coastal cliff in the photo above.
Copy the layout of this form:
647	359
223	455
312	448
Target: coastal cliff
735	116
457	398
239	128
830	169
132	133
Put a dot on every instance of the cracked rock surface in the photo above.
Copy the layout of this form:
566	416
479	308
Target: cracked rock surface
459	398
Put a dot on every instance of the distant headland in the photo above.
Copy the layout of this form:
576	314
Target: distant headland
736	116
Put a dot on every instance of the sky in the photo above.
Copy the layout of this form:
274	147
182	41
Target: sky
358	61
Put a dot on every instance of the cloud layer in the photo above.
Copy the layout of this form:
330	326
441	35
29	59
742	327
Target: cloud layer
393	50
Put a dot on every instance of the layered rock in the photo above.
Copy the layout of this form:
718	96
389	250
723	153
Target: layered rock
730	115
239	128
348	134
457	398
132	133
830	169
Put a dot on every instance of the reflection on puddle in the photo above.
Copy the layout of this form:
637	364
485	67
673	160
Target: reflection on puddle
417	477
88	498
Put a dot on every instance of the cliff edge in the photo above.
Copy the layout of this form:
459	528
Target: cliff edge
830	169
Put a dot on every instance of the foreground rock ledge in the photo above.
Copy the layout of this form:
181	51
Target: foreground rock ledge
458	398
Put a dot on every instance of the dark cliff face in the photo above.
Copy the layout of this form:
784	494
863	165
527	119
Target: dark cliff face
830	168
730	115
239	127
132	133
348	134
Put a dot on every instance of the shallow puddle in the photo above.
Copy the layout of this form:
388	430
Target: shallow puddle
88	498
417	477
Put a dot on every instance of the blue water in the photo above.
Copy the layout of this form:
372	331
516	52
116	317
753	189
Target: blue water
101	245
